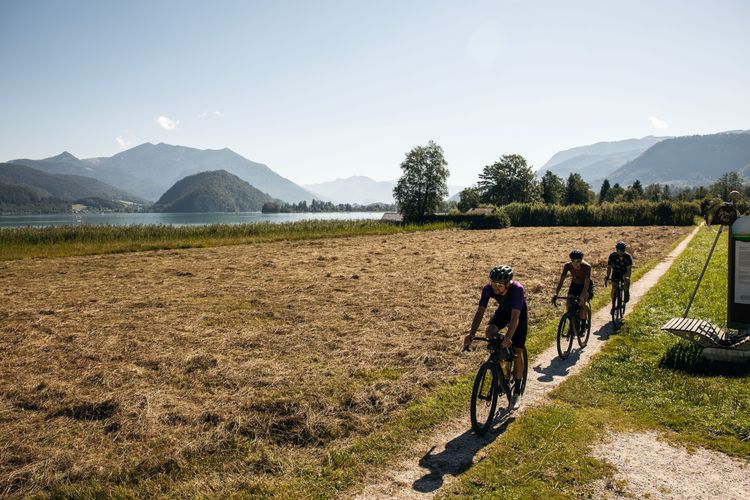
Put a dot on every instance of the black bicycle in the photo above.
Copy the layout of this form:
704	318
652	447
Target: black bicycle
618	302
572	325
495	378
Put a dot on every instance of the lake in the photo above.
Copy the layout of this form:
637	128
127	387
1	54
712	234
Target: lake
174	219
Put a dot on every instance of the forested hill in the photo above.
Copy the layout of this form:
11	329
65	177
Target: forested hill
214	191
27	189
597	161
690	160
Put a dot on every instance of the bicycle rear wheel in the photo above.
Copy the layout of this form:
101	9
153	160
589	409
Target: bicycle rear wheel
619	307
585	332
564	337
484	398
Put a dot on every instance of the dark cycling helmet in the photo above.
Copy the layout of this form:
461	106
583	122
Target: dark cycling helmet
621	245
576	254
501	273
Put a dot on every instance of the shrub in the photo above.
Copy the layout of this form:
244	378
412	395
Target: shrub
639	213
497	220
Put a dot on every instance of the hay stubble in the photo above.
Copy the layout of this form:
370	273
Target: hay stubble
117	368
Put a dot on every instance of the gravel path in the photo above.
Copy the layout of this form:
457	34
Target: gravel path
433	462
647	467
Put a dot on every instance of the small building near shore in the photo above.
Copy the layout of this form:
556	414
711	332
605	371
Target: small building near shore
393	217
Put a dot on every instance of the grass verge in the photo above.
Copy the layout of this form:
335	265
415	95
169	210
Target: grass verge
644	378
67	241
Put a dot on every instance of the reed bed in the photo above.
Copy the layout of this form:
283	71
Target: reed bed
65	241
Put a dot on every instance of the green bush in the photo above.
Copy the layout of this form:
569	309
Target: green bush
638	213
497	220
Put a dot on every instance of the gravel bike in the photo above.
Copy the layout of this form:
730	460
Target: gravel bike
572	325
495	378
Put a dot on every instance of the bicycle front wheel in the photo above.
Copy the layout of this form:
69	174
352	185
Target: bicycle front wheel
564	337
484	398
583	335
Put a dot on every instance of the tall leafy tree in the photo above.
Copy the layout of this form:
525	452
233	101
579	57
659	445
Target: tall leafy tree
730	181
603	191
508	180
638	188
577	191
469	198
553	188
422	187
653	192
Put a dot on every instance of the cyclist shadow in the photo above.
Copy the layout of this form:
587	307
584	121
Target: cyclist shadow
560	367
557	367
458	455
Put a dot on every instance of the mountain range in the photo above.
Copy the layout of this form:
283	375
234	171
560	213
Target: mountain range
25	189
596	161
678	161
149	170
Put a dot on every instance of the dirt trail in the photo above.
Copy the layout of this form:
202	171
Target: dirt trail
452	449
648	467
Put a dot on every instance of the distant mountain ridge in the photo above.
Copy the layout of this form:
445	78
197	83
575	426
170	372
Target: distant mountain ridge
595	162
64	187
148	170
214	191
689	160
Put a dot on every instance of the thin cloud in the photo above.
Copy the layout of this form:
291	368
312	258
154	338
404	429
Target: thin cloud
205	114
167	123
125	140
657	122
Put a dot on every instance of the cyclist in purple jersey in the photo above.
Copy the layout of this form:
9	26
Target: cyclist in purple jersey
511	312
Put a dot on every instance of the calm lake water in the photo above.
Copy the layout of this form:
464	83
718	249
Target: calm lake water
176	219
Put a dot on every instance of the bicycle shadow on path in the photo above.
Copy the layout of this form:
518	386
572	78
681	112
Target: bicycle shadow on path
458	455
560	368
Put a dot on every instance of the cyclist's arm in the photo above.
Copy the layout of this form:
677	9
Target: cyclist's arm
609	272
560	283
627	273
477	321
515	315
586	283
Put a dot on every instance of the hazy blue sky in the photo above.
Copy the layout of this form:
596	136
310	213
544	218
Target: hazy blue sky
326	89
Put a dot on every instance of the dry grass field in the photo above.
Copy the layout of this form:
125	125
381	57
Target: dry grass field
231	366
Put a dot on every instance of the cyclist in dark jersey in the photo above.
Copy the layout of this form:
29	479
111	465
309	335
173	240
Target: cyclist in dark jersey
619	267
581	285
511	312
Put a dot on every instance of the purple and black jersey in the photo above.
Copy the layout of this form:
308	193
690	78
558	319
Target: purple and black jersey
515	298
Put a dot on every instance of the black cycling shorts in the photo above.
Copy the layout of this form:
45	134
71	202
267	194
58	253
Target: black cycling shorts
576	289
501	319
617	277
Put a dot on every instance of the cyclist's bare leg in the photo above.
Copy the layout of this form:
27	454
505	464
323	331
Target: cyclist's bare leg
571	307
518	363
491	331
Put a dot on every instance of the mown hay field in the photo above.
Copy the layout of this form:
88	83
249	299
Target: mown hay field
254	359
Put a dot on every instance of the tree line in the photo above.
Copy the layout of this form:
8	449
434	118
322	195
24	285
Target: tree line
422	188
275	207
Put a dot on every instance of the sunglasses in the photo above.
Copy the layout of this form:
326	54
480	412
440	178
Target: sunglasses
503	284
577	261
